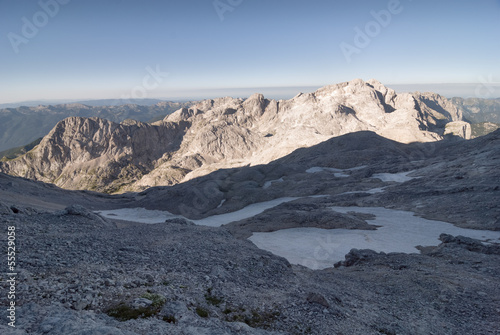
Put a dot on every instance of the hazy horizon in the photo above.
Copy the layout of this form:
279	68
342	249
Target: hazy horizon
87	50
465	90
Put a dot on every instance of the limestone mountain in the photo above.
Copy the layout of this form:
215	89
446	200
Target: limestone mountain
97	154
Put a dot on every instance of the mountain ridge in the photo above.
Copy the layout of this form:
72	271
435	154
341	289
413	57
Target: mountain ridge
228	132
22	125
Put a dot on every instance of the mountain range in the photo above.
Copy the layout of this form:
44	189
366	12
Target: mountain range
101	155
22	125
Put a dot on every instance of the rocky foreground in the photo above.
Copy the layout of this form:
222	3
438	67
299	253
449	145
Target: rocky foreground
80	273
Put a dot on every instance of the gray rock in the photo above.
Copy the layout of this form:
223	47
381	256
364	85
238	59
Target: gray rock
141	303
5	209
316	298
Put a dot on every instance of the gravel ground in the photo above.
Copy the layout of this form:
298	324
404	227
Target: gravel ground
80	274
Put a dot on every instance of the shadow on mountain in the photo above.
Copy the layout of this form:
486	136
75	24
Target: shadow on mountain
456	181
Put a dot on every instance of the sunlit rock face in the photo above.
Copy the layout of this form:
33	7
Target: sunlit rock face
96	154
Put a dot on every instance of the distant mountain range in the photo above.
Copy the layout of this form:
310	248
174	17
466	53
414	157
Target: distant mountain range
104	155
22	125
95	103
483	114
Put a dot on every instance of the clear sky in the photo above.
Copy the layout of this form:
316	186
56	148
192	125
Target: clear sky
93	49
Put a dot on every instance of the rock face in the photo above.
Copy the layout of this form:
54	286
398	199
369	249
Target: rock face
100	155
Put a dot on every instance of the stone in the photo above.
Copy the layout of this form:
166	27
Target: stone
141	303
316	298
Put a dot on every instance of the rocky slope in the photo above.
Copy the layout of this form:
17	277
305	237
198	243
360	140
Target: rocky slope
100	155
458	182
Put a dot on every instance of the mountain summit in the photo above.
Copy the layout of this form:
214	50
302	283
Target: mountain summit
96	154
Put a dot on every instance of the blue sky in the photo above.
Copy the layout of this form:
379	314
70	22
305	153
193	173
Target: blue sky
103	49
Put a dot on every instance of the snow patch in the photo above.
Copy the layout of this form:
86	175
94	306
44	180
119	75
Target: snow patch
244	213
339	173
400	177
141	215
400	231
370	191
268	184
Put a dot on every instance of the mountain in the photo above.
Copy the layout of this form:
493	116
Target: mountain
100	155
483	114
22	125
477	110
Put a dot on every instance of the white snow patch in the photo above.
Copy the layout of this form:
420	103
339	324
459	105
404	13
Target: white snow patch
400	177
339	173
221	203
141	215
357	168
244	213
336	172
314	169
370	191
267	184
401	231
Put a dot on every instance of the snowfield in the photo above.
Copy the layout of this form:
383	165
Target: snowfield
143	215
400	177
400	231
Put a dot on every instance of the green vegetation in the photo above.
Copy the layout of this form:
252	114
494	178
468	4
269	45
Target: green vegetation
158	300
202	312
169	319
484	128
211	299
124	312
255	318
13	153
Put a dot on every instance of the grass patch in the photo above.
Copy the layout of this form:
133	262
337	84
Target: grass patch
254	318
202	312
158	300
211	299
124	312
169	319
